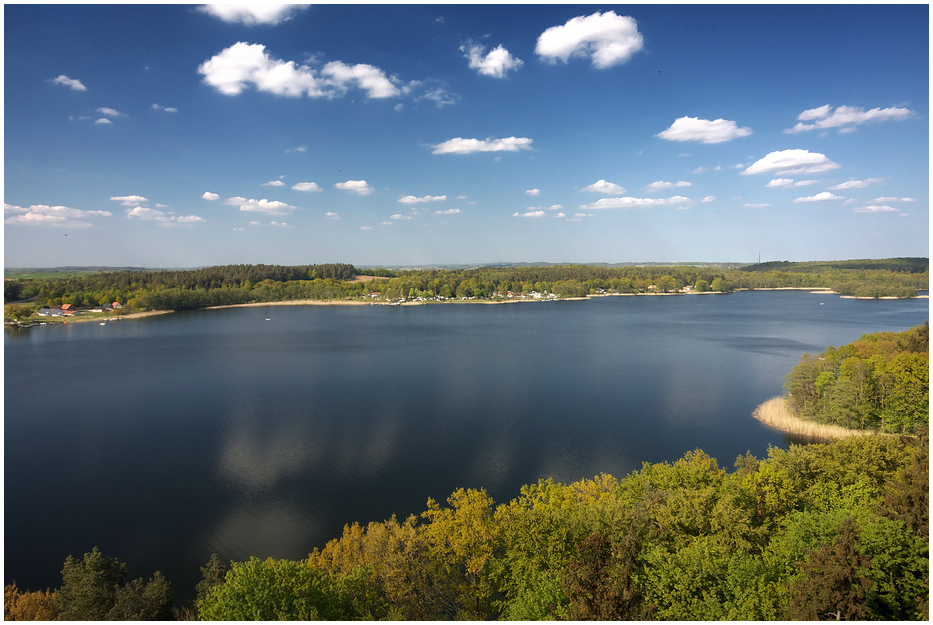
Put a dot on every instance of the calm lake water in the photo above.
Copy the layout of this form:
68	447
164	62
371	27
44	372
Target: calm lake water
262	431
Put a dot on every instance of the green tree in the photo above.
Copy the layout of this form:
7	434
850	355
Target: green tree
93	589
17	312
834	584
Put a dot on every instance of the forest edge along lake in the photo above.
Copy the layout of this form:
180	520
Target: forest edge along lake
167	438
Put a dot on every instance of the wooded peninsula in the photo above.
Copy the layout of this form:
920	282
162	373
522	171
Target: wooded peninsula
149	290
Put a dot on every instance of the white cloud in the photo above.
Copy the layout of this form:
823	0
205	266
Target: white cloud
857	184
167	109
242	64
71	83
306	186
106	110
760	205
708	198
366	227
533	191
162	218
607	188
703	130
300	148
129	200
496	63
367	77
359	187
468	146
103	120
449	211
439	95
210	196
274	183
884	200
780	182
252	13
607	38
44	215
660	185
399	216
845	117
333	216
411	199
875	209
279	224
269	207
805	183
819	197
531	213
634	202
790	162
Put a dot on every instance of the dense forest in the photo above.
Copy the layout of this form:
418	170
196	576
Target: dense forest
240	284
880	381
821	531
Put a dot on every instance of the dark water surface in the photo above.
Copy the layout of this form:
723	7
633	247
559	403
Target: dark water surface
262	431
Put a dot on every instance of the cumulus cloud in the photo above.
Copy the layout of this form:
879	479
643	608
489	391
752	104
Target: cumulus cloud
759	205
789	182
274	183
495	63
608	39
857	184
468	146
210	196
607	188
533	191
306	186
129	200
790	162
819	197
399	216
411	199
333	216
366	227
167	109
44	215
634	202
875	209
708	198
660	185
703	130
884	200
252	13
358	187
106	110
269	207
532	213
162	218
103	120
449	211
243	64
71	83
846	118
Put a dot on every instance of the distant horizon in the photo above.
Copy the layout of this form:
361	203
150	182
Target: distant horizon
461	265
423	135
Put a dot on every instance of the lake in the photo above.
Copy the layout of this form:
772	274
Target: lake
263	430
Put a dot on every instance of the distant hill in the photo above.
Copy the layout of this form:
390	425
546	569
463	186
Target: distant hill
906	265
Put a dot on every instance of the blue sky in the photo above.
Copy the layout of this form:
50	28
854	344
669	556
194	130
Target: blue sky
190	135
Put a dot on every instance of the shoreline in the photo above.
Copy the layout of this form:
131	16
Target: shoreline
313	302
775	414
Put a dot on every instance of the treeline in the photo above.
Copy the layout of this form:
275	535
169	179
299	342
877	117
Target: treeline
838	530
238	284
903	265
880	381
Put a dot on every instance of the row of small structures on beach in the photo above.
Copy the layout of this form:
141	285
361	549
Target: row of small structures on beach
68	310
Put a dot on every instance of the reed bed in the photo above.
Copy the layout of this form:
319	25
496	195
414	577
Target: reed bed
775	413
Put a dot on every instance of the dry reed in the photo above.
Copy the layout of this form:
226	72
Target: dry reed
775	413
